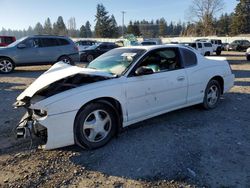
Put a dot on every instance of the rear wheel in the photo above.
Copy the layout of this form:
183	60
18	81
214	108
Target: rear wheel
6	65
248	57
95	125
212	95
66	59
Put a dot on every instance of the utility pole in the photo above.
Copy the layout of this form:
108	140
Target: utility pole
123	12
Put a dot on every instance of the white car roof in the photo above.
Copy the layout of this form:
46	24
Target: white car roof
152	47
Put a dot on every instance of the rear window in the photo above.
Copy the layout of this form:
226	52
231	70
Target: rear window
189	57
6	40
63	42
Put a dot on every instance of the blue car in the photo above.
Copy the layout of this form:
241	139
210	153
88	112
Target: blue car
38	50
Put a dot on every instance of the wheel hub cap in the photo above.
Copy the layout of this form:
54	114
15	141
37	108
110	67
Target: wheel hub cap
96	126
6	66
213	95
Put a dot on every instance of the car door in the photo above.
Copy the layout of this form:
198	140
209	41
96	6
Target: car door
163	90
200	48
51	50
30	52
195	92
102	49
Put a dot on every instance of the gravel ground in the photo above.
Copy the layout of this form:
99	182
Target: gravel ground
185	148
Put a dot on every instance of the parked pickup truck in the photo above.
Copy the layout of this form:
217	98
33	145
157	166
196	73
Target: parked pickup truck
205	48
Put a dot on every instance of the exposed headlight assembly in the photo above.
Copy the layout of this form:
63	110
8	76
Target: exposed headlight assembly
39	114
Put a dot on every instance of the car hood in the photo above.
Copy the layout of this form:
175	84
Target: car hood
58	71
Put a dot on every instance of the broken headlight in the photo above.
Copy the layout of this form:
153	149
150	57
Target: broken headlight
39	113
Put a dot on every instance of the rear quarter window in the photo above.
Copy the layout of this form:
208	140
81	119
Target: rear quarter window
189	58
49	42
207	44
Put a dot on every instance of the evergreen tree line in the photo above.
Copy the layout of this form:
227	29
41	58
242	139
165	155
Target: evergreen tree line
106	26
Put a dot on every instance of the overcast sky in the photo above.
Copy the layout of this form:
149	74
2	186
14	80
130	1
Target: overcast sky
19	14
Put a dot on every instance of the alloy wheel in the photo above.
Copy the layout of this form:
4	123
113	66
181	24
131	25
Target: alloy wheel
6	66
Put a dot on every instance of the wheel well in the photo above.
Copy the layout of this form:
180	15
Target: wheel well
113	103
221	82
7	58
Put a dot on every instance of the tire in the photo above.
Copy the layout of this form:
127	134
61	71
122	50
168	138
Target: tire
218	51
238	48
248	58
207	54
95	125
212	95
66	59
6	65
89	58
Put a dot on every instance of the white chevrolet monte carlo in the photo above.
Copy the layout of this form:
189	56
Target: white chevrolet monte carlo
87	106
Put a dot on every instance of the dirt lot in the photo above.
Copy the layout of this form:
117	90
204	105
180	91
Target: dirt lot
186	148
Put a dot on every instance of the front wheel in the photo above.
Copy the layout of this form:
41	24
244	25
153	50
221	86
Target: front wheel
218	51
90	58
6	66
95	125
212	95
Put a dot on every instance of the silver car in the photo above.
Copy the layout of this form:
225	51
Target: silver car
38	50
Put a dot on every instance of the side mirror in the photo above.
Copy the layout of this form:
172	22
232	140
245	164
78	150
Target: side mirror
21	46
143	71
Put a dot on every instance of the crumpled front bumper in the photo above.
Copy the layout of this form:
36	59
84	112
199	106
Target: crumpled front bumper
54	130
29	127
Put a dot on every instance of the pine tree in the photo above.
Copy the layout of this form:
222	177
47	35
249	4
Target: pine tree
113	27
47	27
102	26
59	27
38	29
241	18
88	30
83	32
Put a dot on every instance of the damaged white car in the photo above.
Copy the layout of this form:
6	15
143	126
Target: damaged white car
87	106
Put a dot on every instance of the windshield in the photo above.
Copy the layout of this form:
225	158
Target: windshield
17	42
116	61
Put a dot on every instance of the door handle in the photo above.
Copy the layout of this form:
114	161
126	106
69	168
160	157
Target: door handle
180	78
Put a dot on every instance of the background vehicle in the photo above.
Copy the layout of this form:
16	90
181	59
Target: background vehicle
153	41
239	45
121	87
92	52
83	44
148	43
6	40
38	50
224	46
216	43
248	54
205	48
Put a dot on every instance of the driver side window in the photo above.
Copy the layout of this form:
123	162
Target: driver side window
32	43
162	60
